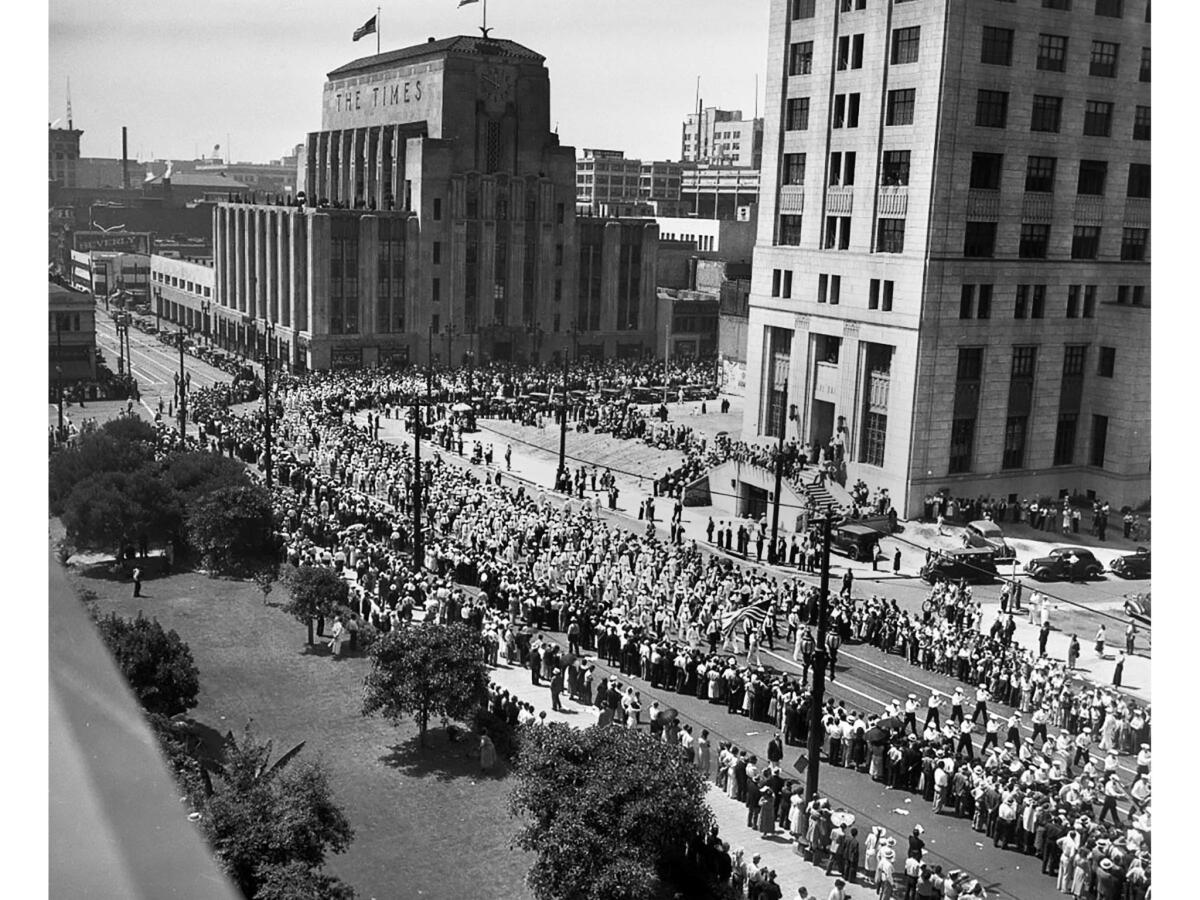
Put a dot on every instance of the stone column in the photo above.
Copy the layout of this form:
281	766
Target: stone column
355	167
218	239
243	227
368	275
318	239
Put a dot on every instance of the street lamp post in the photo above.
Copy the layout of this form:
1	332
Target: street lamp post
780	460
158	309
183	382
268	336
562	433
450	329
58	371
205	306
815	725
429	369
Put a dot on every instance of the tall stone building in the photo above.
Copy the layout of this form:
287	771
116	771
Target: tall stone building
438	217
952	275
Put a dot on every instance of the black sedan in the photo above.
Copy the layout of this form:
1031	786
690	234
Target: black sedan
1134	565
1065	564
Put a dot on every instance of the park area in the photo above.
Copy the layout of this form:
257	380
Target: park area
425	824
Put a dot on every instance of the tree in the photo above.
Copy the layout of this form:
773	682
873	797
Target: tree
314	591
195	474
91	455
268	823
157	664
425	670
112	510
231	528
610	812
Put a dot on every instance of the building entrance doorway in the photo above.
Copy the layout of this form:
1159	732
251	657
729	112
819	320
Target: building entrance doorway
754	501
822	424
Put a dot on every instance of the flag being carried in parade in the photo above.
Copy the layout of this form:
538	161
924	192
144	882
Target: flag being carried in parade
755	612
367	27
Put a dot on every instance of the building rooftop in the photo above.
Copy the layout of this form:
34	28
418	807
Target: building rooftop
218	180
461	44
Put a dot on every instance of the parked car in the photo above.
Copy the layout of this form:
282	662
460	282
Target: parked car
984	533
1137	606
1133	565
975	565
1065	564
858	542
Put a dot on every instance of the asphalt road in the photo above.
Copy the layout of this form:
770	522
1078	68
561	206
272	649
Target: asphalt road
155	364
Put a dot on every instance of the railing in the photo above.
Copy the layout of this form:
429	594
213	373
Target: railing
839	201
893	201
982	204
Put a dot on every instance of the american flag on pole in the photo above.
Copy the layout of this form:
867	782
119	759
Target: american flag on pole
755	612
367	27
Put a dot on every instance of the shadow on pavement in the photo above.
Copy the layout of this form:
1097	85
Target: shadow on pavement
444	759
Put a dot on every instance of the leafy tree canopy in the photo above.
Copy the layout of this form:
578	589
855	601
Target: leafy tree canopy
115	508
194	474
91	455
269	821
314	591
298	881
231	528
157	664
609	812
425	670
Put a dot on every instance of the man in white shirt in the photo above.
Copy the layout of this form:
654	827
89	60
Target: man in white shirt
981	701
931	708
956	705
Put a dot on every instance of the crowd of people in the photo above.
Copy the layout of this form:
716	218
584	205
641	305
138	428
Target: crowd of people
670	615
1063	516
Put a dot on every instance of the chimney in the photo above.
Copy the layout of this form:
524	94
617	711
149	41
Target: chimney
124	158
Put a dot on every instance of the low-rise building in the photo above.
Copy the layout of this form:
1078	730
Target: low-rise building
72	334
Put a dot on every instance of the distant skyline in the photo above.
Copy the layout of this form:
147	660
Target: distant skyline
248	76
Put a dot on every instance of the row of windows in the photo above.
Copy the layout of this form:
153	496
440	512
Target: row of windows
177	282
980	241
829	289
1113	9
986	170
1024	363
997	50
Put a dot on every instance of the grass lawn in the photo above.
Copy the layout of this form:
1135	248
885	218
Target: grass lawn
425	825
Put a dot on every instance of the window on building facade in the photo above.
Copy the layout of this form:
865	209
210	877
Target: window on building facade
890	238
1110	8
894	171
787	284
1099	440
906	45
835	289
1037	308
437	253
776	276
804	9
1139	294
1139	180
1015	429
980	240
1133	244
1039	174
966	302
1021	307
991	109
1064	439
1035	241
1052	52
822	288
1093	173
1056	4
789	230
1103	63
985	171
793	168
997	46
983	308
1085	242
437	209
874	438
1024	360
797	114
1074	357
1097	118
1073	301
800	59
1144	69
901	104
888	290
1047	113
1141	123
435	290
962	445
1089	301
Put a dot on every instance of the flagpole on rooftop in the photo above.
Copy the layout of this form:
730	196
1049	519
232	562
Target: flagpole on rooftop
377	17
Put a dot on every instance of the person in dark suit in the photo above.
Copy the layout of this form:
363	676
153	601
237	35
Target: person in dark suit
775	750
850	856
556	688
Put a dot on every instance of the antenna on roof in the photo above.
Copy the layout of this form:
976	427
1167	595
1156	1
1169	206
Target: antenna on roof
70	118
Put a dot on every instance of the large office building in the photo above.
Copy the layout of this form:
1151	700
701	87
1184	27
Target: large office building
952	274
722	137
609	180
438	217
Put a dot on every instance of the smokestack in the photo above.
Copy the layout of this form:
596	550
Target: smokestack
124	157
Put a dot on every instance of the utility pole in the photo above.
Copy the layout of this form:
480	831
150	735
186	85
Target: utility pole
58	373
429	369
418	537
270	330
182	390
779	463
562	428
815	724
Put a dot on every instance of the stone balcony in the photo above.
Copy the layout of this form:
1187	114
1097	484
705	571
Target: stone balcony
791	198
839	201
983	205
1089	210
1036	207
893	201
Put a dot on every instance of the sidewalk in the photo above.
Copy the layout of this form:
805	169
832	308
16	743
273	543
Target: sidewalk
777	851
